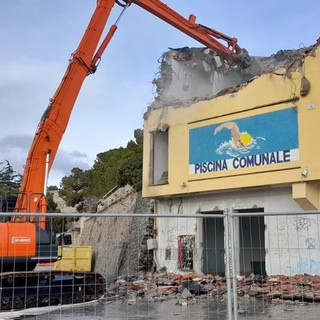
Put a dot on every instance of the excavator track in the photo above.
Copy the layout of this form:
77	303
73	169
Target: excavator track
22	290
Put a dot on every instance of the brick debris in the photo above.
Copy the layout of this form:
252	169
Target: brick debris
188	287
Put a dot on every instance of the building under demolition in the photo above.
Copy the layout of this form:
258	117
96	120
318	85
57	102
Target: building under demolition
219	137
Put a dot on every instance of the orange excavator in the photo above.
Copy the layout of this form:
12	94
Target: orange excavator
26	240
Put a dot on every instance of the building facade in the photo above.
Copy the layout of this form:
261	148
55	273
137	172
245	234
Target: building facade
252	148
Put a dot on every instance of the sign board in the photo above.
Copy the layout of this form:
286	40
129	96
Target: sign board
255	141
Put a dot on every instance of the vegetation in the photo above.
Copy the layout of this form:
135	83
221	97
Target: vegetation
10	180
58	224
116	167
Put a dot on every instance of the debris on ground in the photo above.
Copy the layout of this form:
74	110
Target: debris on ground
187	288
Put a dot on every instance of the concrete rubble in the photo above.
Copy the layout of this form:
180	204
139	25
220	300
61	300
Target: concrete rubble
187	75
187	288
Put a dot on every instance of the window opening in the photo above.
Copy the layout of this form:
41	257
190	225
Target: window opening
160	158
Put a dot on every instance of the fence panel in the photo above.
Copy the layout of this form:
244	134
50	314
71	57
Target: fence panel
230	265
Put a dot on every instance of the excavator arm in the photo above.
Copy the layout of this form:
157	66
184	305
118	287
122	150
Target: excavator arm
84	61
204	35
56	117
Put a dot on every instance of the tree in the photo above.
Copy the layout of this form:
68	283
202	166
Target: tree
130	172
105	170
52	206
52	188
137	145
61	224
130	169
10	180
74	188
115	167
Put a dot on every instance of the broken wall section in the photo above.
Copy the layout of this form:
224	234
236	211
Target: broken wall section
187	75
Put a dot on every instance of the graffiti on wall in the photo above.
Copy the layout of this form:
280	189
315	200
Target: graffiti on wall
310	266
185	252
310	243
303	223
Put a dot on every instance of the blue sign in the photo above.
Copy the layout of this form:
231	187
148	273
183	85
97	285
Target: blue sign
263	139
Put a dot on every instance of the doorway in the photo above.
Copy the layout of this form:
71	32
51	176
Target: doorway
213	245
251	243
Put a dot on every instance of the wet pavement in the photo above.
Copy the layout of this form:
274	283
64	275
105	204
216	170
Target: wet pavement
200	309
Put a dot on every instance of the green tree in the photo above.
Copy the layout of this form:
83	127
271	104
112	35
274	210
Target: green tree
10	180
74	188
53	188
130	168
52	206
137	145
115	167
130	172
105	170
58	224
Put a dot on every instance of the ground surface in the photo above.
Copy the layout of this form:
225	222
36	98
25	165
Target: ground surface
202	309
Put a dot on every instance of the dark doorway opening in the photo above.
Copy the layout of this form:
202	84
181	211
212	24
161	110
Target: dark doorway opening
252	243
213	244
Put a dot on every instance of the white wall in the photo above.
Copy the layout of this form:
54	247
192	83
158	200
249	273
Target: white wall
291	242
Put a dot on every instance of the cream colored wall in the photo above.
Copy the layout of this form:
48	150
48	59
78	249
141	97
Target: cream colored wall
270	92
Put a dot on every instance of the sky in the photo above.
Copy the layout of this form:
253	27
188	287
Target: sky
37	38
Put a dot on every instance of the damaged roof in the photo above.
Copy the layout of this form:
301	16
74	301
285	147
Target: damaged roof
187	75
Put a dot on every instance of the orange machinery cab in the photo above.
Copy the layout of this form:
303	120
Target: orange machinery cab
23	245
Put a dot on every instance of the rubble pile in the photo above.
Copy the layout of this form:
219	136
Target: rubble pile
187	288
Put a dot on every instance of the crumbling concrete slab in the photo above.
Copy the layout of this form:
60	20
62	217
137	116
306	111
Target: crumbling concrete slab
187	75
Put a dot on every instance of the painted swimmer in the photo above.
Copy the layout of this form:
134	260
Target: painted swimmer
240	139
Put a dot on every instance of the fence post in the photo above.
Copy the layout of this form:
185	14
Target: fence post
228	262
233	266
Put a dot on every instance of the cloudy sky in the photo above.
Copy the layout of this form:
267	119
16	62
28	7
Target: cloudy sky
38	36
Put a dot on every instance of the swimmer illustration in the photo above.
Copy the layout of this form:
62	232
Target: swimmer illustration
240	139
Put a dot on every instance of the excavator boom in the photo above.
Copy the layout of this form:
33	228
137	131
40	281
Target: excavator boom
83	62
56	117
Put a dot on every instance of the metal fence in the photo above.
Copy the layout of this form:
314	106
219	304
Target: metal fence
234	265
